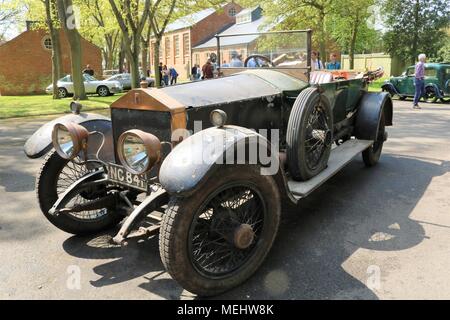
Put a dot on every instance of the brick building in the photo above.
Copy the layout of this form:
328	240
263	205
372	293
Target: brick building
190	31
25	62
249	20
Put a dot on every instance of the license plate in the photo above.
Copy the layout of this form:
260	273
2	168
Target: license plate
118	174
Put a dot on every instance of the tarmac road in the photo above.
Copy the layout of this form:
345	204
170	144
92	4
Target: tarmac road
379	233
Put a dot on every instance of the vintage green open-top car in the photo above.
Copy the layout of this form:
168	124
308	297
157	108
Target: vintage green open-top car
437	83
261	137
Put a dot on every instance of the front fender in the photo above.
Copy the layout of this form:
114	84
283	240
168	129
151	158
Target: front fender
41	140
389	87
196	159
436	89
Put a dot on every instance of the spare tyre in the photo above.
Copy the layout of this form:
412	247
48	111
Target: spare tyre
309	135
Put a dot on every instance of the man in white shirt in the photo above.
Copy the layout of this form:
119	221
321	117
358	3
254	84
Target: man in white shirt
316	64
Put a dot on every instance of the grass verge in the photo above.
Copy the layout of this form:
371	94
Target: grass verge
25	106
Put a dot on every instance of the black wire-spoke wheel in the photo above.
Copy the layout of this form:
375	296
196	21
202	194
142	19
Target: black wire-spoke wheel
318	136
224	233
372	154
55	176
216	238
309	135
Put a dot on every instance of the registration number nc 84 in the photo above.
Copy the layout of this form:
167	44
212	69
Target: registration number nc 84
120	175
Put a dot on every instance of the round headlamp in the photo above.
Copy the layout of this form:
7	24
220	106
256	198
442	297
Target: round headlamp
69	139
138	151
218	118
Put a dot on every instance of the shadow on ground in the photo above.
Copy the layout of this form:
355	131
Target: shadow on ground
358	208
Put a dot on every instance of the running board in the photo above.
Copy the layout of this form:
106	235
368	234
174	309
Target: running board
339	157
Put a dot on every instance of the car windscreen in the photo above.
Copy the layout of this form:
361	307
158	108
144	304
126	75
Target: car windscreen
264	50
88	77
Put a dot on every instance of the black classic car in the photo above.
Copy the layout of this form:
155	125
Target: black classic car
208	164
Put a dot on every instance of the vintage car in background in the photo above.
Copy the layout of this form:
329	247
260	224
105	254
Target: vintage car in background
101	87
125	80
210	172
437	83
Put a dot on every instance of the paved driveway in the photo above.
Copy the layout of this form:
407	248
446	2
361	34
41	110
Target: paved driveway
380	233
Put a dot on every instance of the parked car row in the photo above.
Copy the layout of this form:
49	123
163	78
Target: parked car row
437	83
114	84
125	80
91	85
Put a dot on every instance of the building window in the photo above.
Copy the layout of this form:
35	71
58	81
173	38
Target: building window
232	12
167	47
47	43
197	58
186	44
176	44
244	18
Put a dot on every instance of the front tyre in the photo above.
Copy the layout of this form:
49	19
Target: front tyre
215	240
62	93
103	91
55	176
309	135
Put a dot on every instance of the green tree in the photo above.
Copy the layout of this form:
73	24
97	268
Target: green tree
132	15
9	11
303	14
98	25
350	28
415	26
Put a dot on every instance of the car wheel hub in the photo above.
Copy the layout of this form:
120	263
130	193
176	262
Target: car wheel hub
243	236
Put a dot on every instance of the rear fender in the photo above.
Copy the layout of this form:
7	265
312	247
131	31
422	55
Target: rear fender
198	157
369	112
41	140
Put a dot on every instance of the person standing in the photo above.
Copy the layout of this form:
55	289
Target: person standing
194	72
160	69
165	75
88	70
173	75
333	64
419	80
207	70
236	60
316	64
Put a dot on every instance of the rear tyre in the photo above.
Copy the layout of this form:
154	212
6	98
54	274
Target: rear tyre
62	93
372	154
309	135
103	91
430	95
55	176
214	241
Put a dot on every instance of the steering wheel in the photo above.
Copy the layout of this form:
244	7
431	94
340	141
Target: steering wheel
258	58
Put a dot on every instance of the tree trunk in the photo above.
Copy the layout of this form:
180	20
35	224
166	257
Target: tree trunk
156	62
67	18
351	54
50	10
144	56
121	60
322	41
133	60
